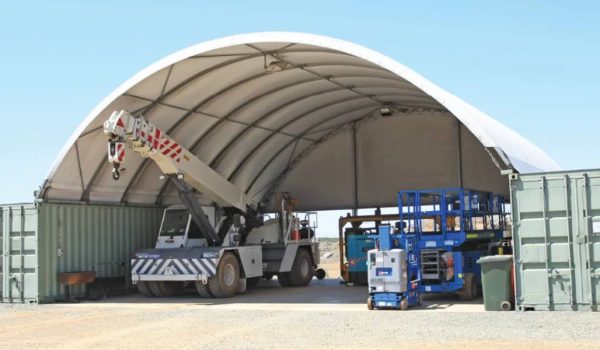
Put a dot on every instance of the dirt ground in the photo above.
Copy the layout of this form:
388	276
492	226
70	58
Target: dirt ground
324	315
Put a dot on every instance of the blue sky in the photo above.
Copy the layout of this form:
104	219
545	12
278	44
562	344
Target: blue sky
531	64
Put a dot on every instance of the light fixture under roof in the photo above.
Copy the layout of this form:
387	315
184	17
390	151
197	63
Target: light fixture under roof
386	111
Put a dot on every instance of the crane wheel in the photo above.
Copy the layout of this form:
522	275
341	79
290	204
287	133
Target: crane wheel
469	291
164	288
144	289
225	283
302	269
202	289
242	286
284	279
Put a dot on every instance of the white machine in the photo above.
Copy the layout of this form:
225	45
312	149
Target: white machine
387	271
221	249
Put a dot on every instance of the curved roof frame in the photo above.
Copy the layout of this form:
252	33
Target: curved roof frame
512	149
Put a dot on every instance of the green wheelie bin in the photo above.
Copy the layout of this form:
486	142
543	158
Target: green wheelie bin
496	281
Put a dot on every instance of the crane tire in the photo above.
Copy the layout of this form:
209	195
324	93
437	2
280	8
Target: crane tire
144	289
302	269
202	289
284	279
164	288
225	283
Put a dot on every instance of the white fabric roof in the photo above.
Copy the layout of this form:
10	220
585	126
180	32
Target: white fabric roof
313	127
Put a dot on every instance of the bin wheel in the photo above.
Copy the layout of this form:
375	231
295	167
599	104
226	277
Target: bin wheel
370	303
404	304
505	306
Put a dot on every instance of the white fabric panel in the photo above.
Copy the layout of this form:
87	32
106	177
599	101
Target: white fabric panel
258	161
478	171
228	101
216	68
324	179
305	105
152	87
199	88
280	98
316	121
187	68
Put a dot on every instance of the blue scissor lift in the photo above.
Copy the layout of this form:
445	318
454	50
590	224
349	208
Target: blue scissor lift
453	228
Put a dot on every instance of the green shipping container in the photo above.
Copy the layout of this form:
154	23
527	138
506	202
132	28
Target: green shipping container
556	237
38	241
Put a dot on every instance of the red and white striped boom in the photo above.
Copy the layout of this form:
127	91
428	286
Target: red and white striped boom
137	133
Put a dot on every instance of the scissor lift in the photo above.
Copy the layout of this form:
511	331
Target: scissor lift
453	228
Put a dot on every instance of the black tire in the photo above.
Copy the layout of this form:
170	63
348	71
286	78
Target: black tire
284	279
320	274
469	291
144	289
302	269
164	288
252	282
370	303
202	289
225	283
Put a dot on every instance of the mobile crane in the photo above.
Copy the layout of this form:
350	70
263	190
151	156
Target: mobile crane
222	249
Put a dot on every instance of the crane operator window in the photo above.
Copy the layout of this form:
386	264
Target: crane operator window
175	223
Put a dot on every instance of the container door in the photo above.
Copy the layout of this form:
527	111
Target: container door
544	243
589	240
19	259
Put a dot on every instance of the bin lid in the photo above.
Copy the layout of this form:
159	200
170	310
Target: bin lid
494	258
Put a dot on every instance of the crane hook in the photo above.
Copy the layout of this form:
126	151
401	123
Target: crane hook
116	174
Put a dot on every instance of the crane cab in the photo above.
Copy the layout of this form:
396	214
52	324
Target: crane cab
179	230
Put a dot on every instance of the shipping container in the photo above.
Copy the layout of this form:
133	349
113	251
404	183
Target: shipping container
40	240
556	237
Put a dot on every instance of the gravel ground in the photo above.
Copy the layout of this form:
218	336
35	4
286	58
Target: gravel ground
324	315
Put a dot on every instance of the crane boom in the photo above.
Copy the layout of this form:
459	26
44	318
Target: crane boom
174	160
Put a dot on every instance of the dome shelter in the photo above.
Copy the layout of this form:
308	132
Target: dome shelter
336	124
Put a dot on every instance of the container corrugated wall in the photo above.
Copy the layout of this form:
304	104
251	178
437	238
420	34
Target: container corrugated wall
72	237
556	234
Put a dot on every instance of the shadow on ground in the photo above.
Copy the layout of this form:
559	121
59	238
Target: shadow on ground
327	291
